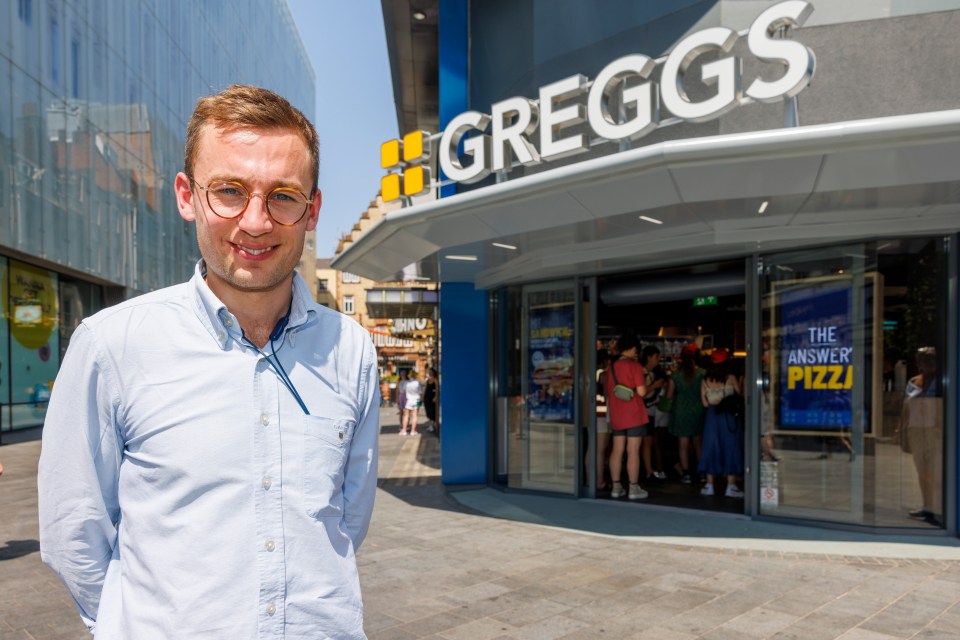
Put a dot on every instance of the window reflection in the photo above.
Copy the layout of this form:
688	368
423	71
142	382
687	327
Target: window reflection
859	439
95	100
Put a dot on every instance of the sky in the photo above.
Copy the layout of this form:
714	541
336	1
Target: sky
355	107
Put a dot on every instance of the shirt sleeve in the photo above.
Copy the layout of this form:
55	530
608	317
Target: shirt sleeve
360	478
78	475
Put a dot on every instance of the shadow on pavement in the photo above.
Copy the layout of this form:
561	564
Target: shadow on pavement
18	548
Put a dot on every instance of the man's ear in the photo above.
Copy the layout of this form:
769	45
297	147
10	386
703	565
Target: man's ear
185	197
313	213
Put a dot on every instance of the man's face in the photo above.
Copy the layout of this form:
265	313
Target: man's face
249	253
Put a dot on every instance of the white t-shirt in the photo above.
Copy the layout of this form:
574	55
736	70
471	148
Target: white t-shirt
413	390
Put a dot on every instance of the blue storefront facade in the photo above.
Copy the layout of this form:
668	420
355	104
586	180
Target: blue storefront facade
777	180
94	102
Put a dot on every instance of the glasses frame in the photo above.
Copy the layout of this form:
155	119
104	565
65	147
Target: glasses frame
250	195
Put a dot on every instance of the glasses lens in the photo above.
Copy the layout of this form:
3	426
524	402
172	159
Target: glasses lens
227	199
286	206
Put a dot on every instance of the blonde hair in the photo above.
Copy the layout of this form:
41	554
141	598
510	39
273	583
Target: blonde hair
246	107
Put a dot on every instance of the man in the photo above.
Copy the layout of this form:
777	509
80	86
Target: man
209	454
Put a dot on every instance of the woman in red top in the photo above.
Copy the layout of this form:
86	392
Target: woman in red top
627	418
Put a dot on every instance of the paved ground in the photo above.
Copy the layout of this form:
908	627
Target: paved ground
477	564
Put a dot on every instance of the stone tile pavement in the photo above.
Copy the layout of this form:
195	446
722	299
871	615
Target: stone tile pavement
433	567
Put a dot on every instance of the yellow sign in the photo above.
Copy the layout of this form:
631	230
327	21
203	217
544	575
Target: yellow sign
30	304
413	178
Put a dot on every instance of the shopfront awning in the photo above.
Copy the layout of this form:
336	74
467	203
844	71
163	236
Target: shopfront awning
702	199
397	302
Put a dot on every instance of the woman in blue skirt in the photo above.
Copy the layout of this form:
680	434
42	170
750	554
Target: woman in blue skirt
722	431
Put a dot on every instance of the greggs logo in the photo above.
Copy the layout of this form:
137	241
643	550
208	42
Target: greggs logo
622	103
409	176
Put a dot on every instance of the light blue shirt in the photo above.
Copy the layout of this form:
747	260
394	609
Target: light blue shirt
183	491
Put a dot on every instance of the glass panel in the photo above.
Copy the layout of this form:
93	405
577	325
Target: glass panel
4	359
78	300
852	403
543	455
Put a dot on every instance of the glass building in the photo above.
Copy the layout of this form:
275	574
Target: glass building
94	101
778	180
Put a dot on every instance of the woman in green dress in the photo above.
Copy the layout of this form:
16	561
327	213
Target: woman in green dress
686	423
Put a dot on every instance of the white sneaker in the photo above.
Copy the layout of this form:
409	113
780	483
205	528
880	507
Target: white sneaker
707	490
733	491
617	491
636	493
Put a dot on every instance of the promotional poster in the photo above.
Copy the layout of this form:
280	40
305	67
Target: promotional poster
550	367
816	357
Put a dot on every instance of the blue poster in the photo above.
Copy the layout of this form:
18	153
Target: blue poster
550	363
816	357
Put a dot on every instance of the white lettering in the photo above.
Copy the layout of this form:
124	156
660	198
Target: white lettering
554	119
513	134
514	120
477	146
725	73
641	98
799	60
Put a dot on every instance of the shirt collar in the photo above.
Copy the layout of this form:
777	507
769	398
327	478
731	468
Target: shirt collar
223	325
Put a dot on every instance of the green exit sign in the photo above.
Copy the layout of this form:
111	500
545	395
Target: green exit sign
705	301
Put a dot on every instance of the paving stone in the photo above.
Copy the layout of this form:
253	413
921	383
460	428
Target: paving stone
435	569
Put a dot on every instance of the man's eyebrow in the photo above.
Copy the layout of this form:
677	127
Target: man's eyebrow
272	185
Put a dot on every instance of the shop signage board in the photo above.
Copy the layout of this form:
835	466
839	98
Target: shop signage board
816	357
531	131
551	351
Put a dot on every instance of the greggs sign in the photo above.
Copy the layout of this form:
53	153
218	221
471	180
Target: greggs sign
532	131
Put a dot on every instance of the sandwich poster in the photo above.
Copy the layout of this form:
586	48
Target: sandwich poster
550	363
816	356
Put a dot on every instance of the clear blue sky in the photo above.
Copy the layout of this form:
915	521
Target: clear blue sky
355	108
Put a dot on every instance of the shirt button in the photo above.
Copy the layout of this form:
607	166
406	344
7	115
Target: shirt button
270	546
228	322
221	335
264	419
267	482
271	609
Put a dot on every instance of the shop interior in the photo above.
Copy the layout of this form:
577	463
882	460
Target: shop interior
705	306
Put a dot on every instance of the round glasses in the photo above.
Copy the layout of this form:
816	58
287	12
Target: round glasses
285	205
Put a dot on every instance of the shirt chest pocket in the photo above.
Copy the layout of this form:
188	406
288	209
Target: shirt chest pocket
326	444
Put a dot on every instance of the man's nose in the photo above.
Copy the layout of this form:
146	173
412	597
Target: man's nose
256	218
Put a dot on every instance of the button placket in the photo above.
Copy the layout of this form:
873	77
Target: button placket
270	530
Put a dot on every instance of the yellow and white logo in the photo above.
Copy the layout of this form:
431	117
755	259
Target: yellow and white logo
411	175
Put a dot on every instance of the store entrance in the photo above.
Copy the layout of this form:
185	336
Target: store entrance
688	323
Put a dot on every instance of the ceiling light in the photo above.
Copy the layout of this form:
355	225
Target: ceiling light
504	246
465	258
419	15
763	206
653	220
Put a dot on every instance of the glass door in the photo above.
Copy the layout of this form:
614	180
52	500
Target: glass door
543	452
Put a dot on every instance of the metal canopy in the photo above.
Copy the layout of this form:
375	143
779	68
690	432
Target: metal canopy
891	176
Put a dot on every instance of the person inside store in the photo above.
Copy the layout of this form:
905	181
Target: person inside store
923	424
686	419
209	455
656	385
431	397
603	427
722	429
412	397
627	417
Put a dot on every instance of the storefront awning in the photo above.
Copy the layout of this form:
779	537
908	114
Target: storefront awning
396	302
702	197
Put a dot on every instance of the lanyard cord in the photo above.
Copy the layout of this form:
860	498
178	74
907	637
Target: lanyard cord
274	360
278	367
